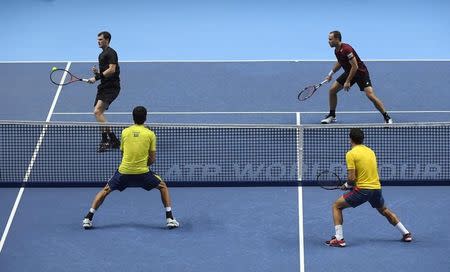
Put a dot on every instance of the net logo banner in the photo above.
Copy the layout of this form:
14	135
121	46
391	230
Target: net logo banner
289	172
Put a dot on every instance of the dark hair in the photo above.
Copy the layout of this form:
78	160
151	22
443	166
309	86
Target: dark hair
357	135
139	115
106	35
337	35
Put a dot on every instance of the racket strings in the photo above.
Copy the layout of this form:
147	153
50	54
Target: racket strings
306	93
329	180
62	77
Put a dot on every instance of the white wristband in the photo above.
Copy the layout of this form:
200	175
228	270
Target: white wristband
331	73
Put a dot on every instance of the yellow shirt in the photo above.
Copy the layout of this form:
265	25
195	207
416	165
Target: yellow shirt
136	141
363	160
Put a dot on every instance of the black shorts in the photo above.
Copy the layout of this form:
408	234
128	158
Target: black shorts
358	196
146	181
362	79
107	92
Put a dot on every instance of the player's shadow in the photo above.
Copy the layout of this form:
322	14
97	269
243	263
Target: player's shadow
380	241
184	226
131	225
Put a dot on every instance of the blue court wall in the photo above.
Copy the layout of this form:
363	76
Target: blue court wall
222	30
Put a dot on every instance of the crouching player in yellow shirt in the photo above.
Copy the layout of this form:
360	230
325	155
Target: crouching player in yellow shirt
363	176
138	146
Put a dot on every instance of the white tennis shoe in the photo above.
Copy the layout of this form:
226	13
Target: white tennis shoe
87	224
328	119
172	223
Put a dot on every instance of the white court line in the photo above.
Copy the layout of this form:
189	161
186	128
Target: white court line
252	112
32	161
301	239
224	61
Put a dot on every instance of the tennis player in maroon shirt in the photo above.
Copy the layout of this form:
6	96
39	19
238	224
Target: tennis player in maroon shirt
355	71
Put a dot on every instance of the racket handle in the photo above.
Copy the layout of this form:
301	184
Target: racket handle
85	80
320	84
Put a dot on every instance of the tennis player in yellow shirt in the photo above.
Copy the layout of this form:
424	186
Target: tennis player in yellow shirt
138	146
363	177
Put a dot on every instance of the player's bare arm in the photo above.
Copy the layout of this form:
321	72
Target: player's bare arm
151	157
110	71
351	74
335	68
351	179
351	176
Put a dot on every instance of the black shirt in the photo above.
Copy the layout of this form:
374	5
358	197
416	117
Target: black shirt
107	57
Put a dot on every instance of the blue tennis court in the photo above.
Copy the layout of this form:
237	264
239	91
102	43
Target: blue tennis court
222	228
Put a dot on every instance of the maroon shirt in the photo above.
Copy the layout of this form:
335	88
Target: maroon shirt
345	54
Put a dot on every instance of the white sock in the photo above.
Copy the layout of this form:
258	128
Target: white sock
168	209
92	210
339	232
401	228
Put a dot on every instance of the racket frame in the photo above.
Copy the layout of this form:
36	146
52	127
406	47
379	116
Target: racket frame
315	87
73	78
339	182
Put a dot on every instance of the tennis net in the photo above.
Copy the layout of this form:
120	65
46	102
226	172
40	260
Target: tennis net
65	154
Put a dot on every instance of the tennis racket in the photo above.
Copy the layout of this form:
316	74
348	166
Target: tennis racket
57	76
307	92
329	180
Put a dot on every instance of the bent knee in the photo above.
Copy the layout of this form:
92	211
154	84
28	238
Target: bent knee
334	90
98	112
106	190
162	185
370	93
337	205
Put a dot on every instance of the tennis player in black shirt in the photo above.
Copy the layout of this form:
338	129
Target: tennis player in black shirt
108	89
